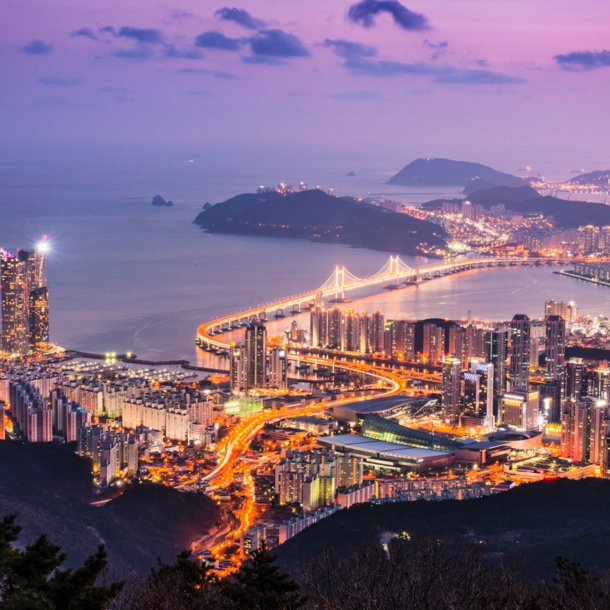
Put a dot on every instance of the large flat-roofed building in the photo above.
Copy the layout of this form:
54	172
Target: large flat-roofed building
532	439
388	456
384	430
355	412
482	453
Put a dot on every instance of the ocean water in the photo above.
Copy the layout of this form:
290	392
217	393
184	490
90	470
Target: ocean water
127	276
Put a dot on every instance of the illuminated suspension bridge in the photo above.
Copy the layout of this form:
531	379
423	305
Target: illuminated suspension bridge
394	274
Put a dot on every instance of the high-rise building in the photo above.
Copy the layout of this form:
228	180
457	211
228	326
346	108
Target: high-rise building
352	331
554	349
14	305
574	378
255	355
574	430
599	428
568	311
399	339
520	352
451	387
520	409
25	302
496	345
39	320
278	368
376	332
237	360
434	342
335	338
478	391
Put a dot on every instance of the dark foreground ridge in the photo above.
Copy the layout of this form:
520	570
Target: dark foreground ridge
530	525
49	488
445	172
316	216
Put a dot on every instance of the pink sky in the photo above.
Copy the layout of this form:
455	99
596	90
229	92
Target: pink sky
494	86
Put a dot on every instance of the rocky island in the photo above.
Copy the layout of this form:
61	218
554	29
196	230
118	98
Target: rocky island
445	172
158	200
316	216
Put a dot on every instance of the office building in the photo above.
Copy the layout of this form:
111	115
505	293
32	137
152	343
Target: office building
520	351
255	355
520	409
451	388
574	373
554	350
496	345
574	430
477	401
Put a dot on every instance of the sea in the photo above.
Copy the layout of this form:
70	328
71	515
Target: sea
126	276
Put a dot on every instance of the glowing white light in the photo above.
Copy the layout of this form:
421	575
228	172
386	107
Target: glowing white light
43	247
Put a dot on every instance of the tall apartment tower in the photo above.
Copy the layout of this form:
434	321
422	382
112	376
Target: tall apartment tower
520	352
255	355
496	343
38	320
278	368
554	349
451	387
574	378
22	278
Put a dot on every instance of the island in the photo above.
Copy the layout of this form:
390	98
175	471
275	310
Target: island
446	172
599	178
317	216
158	200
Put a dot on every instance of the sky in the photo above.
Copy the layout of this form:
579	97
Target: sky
513	81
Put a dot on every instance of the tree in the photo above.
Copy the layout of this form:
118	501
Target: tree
32	578
259	584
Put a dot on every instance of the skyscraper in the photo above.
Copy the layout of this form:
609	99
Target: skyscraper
496	340
520	352
255	355
14	305
451	387
574	378
554	348
39	320
278	368
22	281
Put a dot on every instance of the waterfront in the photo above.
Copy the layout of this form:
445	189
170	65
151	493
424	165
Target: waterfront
127	276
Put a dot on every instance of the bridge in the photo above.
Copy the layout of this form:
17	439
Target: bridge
394	274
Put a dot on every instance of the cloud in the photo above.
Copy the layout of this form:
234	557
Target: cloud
348	49
56	81
364	12
477	77
217	40
583	61
357	95
140	53
214	73
263	60
276	43
180	15
171	52
241	17
438	48
37	47
440	74
84	33
140	35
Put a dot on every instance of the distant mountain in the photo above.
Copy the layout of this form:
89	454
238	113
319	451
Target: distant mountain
50	488
599	178
476	184
503	195
158	200
316	216
524	199
530	525
445	172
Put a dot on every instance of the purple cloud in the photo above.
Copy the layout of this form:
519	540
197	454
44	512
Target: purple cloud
140	53
217	40
364	12
56	81
171	52
583	61
140	35
348	49
438	48
37	47
84	33
241	17
277	43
